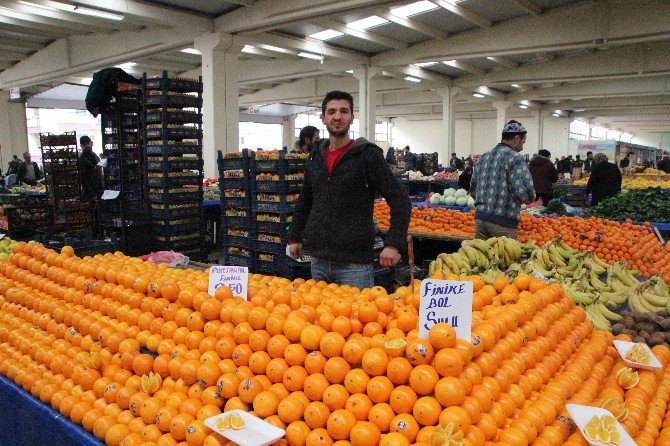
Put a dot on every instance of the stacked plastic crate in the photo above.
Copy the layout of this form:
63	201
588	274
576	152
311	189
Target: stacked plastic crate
277	178
236	228
173	162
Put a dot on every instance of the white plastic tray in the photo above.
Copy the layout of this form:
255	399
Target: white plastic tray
256	432
582	414
624	346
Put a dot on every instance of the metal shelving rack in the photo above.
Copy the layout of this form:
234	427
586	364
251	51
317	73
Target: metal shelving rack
173	164
127	215
59	156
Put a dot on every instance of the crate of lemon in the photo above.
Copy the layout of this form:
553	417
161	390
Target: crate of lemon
328	364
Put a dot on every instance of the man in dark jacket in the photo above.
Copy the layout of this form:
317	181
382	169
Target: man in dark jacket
544	175
456	162
89	173
333	215
588	162
29	171
605	179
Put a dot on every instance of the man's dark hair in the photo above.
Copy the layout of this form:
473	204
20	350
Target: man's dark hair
337	95
511	135
84	140
630	153
589	153
307	132
544	152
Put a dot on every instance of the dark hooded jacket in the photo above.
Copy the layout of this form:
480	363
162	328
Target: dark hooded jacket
544	174
334	213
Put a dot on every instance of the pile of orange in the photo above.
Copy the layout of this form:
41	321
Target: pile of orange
310	357
611	241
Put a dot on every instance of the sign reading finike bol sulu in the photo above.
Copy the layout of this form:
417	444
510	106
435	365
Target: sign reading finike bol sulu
447	301
234	277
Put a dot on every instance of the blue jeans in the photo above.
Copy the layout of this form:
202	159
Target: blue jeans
352	274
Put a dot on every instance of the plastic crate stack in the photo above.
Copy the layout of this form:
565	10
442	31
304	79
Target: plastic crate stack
127	215
277	178
237	233
173	162
59	155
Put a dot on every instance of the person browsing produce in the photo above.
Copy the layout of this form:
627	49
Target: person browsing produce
29	171
605	179
333	215
544	175
500	184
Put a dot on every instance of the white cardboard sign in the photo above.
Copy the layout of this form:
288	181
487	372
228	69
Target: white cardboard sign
448	301
234	277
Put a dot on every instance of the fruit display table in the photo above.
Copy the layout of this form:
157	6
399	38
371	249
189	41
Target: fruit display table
417	204
35	423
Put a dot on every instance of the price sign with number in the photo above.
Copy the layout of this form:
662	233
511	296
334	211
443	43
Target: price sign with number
234	277
447	301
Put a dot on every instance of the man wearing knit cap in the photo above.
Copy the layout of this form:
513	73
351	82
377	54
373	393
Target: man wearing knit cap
501	184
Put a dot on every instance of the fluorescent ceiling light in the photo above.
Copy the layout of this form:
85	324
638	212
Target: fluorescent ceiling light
276	49
523	106
478	95
87	11
35	5
491	58
425	64
248	49
555	115
368	22
127	65
451	62
516	85
310	55
413	8
557	111
326	35
191	51
350	71
412	79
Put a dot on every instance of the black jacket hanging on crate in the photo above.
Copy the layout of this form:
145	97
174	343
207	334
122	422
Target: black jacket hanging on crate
103	87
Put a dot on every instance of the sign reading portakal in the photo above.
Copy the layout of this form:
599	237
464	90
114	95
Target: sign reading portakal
234	277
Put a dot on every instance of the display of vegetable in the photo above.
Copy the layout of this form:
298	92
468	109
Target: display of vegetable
556	207
651	204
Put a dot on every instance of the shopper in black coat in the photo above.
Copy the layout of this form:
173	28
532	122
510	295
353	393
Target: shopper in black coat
605	179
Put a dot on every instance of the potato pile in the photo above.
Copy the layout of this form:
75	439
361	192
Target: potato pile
651	328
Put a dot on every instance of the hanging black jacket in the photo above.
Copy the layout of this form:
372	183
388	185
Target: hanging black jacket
103	87
605	181
333	215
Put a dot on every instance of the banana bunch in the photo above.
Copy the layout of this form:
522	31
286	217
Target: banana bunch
483	257
649	296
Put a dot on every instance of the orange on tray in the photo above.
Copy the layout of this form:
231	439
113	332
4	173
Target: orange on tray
328	363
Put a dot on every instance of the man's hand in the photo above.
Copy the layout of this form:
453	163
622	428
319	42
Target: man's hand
389	256
295	249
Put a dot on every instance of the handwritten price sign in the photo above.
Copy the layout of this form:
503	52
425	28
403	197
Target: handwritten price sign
447	301
234	277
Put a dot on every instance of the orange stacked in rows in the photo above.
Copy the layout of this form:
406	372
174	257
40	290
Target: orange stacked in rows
309	357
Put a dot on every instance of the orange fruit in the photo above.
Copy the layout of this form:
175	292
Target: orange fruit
442	335
340	423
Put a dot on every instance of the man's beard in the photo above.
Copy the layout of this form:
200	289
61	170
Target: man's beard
338	133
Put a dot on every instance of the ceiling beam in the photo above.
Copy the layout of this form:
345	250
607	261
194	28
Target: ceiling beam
265	15
582	25
529	6
64	18
464	66
77	54
360	34
28	27
505	62
63	24
418	72
455	8
617	62
415	25
143	13
161	64
256	71
606	88
20	45
306	44
5	65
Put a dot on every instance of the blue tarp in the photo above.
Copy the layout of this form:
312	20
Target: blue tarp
213	202
28	421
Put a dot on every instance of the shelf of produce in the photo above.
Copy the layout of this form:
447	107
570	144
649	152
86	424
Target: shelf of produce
419	235
418	204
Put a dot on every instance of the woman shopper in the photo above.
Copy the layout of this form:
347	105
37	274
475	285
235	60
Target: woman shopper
605	179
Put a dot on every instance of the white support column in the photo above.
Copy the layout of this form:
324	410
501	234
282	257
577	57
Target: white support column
448	122
288	132
13	129
540	128
220	111
366	101
501	117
